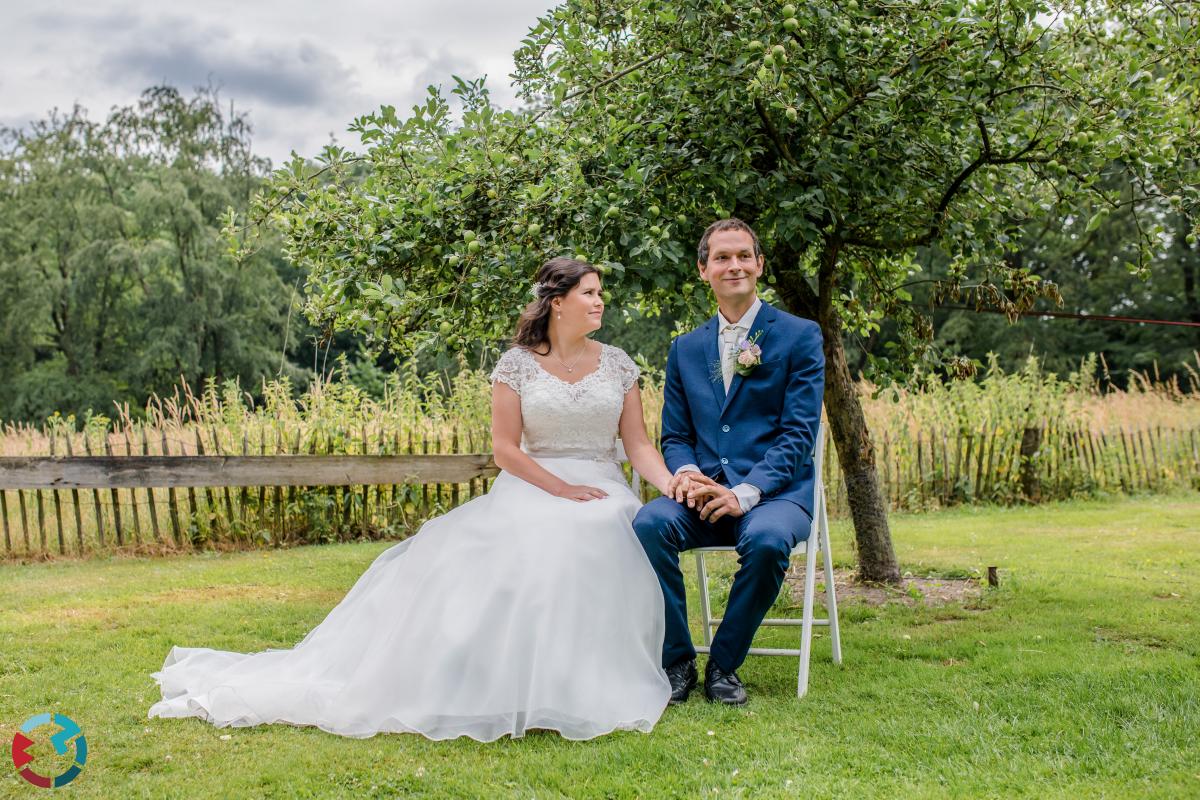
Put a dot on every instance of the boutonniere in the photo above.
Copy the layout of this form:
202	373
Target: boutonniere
747	355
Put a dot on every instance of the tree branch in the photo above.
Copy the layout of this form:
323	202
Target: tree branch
773	133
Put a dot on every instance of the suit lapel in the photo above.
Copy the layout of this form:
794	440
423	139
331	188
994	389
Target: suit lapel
762	323
711	358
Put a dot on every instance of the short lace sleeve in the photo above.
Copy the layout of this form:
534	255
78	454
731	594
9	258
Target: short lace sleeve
626	369
512	368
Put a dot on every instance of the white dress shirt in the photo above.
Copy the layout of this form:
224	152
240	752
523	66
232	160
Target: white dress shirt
747	494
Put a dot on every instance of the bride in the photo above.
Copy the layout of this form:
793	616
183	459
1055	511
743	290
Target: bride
533	606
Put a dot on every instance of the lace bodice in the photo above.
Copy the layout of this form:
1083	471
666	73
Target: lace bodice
569	419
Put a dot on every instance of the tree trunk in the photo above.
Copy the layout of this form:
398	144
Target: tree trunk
856	454
847	424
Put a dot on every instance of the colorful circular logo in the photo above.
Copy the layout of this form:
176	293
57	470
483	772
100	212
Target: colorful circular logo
68	737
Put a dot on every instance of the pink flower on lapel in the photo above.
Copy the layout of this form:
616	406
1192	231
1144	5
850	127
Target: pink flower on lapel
747	355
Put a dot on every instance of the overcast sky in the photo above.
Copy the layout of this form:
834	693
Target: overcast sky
303	69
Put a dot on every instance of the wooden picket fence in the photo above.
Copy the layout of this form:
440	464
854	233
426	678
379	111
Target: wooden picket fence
150	490
1001	464
146	489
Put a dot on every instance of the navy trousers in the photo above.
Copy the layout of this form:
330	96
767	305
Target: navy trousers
763	538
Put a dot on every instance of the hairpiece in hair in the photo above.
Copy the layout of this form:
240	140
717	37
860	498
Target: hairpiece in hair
536	290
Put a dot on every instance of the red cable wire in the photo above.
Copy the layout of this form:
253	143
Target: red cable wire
1101	317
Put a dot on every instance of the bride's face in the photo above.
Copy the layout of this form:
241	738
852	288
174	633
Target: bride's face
582	308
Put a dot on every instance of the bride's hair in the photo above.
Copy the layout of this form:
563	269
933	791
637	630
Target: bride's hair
556	277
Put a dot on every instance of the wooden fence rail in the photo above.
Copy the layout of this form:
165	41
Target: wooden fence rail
141	472
327	497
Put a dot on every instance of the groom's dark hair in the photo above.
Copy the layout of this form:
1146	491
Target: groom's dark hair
731	224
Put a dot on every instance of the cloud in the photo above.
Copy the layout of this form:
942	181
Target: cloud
302	69
287	75
87	21
413	67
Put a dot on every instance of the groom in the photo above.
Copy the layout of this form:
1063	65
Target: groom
738	431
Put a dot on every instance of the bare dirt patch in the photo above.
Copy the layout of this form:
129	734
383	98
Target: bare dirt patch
912	591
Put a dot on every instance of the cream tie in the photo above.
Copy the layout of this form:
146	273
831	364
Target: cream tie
729	338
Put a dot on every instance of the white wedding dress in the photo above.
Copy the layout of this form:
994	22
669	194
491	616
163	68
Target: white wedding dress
517	610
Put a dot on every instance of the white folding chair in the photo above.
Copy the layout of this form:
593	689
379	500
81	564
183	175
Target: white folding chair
818	539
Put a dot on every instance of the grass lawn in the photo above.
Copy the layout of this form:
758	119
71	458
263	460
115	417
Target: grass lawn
1079	677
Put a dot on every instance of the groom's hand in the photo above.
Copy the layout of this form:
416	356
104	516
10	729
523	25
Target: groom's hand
680	485
716	500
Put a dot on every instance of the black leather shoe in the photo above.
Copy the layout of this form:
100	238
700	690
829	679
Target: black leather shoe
682	676
723	687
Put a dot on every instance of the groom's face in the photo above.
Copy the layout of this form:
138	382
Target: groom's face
732	269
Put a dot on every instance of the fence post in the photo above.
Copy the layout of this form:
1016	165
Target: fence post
75	503
150	493
454	488
172	498
228	494
87	448
1031	440
58	517
137	518
116	498
365	524
4	514
279	535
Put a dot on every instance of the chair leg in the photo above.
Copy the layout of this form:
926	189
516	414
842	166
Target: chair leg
705	611
831	609
810	583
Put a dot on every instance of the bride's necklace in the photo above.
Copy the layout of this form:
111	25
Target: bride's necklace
570	367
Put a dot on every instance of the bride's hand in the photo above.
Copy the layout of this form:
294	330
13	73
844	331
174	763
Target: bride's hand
683	483
581	493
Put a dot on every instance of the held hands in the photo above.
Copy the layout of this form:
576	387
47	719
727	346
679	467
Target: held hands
714	501
580	493
682	483
700	491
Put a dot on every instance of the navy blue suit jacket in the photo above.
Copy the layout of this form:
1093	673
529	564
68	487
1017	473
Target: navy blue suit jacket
765	430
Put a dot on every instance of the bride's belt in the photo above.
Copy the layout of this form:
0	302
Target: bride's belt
584	455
